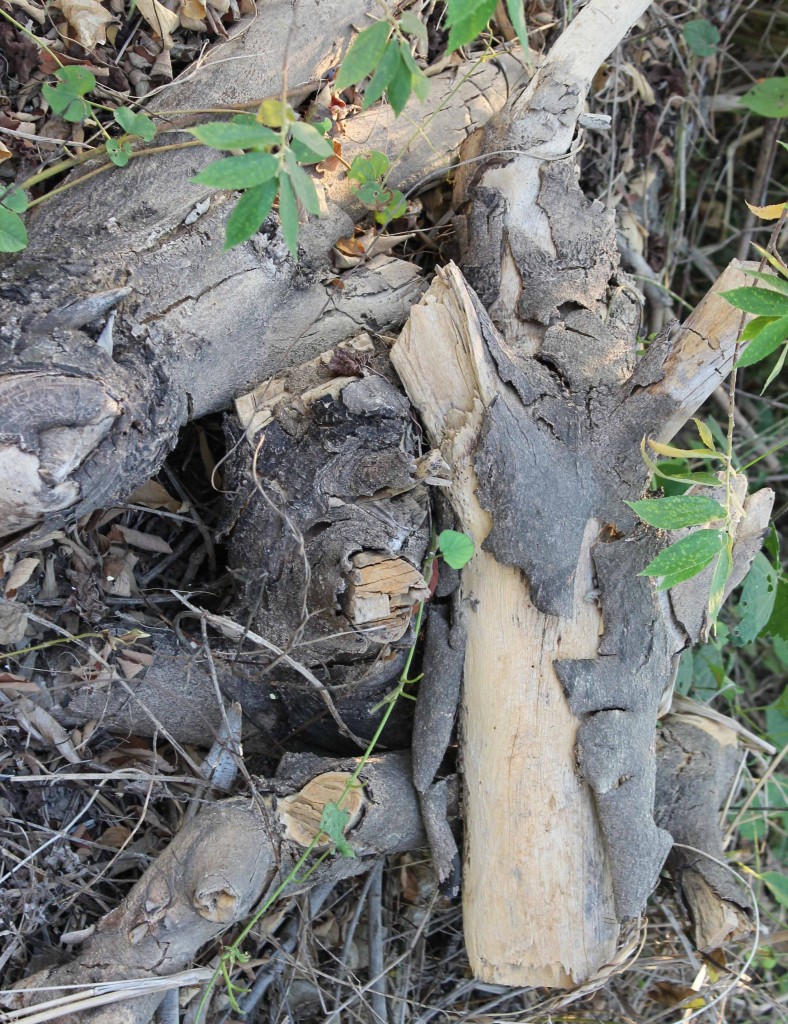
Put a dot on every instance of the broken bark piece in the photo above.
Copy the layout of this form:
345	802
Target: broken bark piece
697	760
381	589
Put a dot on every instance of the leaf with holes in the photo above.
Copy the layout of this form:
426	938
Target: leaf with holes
363	56
677	512
686	558
769	97
333	822
250	212
118	151
466	19
756	602
456	548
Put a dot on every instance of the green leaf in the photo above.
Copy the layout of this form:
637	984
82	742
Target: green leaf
686	558
13	235
778	883
118	152
756	602
514	8
239	171
275	113
755	326
780	283
777	626
456	548
77	80
763	301
139	125
363	56
705	434
310	137
765	342
776	369
722	570
303	185
701	37
412	24
228	135
379	163
15	199
419	82
769	98
466	19
399	88
397	206
250	212
288	215
675	513
333	822
372	194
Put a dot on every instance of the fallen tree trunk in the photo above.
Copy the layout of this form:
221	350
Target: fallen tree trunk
197	326
540	409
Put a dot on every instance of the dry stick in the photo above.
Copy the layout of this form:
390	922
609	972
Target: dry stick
375	939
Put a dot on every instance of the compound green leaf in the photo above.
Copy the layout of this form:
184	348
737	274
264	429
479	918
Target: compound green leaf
288	215
310	137
139	125
303	186
780	283
687	557
756	602
239	171
762	301
765	342
456	548
363	56
384	72
466	19
13	235
250	212
514	8
412	24
230	135
702	38
677	512
399	88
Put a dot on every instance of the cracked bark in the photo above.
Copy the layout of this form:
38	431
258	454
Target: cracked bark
529	387
196	325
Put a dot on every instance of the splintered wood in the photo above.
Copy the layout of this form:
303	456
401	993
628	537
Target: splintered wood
537	895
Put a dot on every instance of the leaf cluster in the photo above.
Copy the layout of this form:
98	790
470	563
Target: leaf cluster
273	146
769	329
370	172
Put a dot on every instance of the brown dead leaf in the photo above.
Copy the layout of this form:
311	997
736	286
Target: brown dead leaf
137	539
14	686
5	152
162	21
194	9
35	719
115	836
153	495
117	573
88	19
20	574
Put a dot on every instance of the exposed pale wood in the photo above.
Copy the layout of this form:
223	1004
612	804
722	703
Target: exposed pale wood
532	838
302	812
